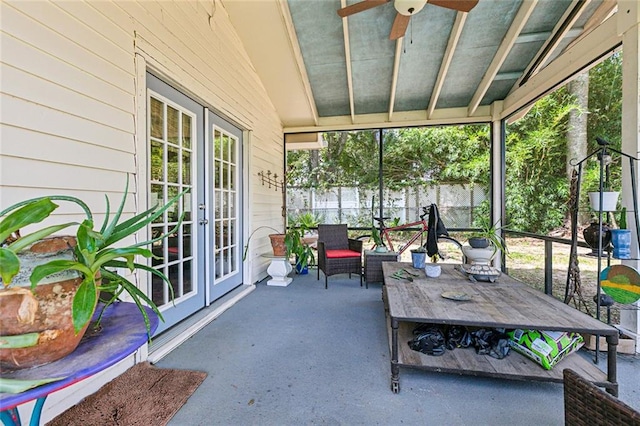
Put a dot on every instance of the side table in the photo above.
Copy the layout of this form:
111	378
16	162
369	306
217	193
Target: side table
373	265
279	268
123	332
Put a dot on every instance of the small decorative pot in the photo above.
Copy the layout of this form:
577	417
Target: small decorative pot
418	258
380	249
432	270
590	235
621	241
478	242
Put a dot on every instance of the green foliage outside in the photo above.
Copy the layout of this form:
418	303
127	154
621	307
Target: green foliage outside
537	188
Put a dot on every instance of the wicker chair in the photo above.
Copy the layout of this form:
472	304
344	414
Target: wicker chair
587	404
338	254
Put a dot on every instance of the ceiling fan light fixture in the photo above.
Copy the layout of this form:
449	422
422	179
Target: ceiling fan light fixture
409	7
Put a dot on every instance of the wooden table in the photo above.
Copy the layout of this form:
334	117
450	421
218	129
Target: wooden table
507	303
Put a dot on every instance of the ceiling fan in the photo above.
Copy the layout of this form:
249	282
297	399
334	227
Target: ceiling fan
406	9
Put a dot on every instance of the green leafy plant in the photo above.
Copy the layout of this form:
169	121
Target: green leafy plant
295	243
308	220
296	246
95	254
376	237
490	233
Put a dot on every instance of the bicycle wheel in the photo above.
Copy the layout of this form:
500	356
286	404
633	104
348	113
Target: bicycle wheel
450	249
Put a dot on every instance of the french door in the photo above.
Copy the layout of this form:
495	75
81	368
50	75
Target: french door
225	181
190	148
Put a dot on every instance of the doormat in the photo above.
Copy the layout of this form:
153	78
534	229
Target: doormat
143	395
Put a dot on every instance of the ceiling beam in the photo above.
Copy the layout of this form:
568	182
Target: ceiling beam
394	77
560	31
297	53
454	37
602	13
418	118
505	47
586	53
347	55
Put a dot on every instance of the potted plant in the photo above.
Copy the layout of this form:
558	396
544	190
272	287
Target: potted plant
418	257
377	240
296	246
484	244
621	238
277	242
308	221
40	272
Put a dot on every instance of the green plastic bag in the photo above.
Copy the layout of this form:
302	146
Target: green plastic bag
546	348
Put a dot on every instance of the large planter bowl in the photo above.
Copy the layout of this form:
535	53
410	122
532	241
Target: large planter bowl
480	256
47	311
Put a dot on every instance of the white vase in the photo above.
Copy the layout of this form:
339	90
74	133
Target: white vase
609	201
432	270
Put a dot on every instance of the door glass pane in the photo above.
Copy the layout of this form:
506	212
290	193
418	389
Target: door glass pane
173	164
171	172
186	168
157	160
156	109
173	125
186	131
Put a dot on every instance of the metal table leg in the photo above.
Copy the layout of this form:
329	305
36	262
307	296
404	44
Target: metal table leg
612	366
395	369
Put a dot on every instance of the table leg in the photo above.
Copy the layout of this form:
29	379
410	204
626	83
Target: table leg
612	366
395	369
11	417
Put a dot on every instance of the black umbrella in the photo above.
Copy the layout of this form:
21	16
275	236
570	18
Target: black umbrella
436	229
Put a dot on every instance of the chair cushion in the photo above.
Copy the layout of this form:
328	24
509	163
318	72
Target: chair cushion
340	254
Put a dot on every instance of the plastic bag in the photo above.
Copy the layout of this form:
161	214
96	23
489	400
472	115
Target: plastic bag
428	339
492	342
458	337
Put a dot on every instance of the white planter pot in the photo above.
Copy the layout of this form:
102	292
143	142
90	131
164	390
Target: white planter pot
481	256
609	201
432	270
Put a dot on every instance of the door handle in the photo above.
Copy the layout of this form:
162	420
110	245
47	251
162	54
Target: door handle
203	221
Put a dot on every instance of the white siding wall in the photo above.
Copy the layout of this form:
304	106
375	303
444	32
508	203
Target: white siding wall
69	95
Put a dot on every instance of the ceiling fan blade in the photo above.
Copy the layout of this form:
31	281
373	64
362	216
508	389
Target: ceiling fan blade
399	26
459	5
359	7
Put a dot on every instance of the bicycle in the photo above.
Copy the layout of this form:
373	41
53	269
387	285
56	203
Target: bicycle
385	234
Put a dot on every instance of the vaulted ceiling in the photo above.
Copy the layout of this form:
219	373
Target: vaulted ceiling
324	71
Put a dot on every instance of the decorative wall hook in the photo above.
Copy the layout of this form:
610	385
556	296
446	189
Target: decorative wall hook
271	179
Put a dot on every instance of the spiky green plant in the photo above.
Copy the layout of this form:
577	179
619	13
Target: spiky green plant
94	254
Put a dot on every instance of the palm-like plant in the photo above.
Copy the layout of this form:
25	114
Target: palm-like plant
95	254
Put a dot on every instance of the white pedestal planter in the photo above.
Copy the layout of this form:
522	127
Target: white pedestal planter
279	269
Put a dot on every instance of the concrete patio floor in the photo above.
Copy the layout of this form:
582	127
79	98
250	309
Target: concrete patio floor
305	355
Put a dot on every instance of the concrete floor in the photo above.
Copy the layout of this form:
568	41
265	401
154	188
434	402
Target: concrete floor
305	355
